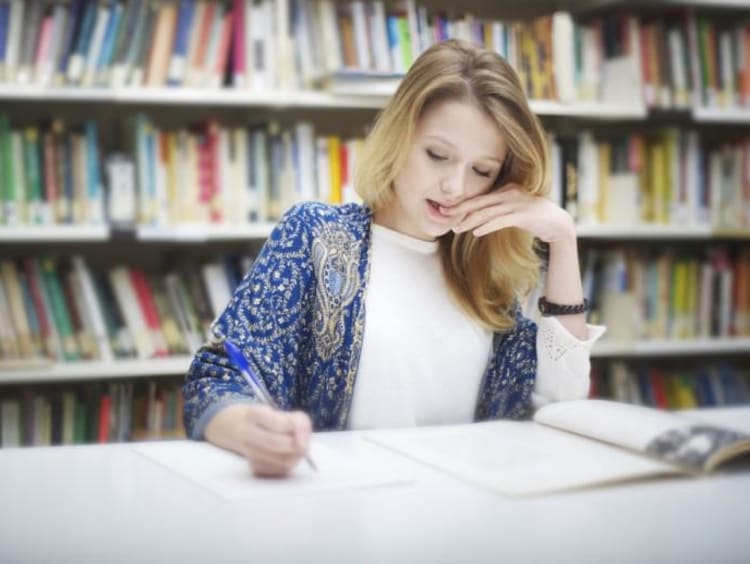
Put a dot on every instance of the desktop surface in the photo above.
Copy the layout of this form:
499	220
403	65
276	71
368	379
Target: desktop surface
108	503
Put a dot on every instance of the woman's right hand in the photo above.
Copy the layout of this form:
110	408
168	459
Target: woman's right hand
273	441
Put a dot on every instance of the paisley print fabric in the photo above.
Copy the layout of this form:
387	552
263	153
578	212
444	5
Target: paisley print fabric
298	316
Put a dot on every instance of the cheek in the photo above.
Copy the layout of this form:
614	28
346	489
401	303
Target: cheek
479	186
416	178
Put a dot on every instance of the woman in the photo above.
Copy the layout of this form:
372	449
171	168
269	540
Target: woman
405	310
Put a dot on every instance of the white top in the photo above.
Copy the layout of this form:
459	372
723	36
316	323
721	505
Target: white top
423	357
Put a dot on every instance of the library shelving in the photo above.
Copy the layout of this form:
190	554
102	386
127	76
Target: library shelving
167	87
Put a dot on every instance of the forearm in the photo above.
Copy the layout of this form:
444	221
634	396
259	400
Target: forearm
564	281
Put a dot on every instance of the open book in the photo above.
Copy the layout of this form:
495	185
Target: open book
576	444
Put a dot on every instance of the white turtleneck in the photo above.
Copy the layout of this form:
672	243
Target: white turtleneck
423	357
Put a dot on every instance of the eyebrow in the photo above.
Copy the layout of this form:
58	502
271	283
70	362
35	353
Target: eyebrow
443	140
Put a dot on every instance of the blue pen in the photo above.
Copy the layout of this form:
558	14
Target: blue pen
256	384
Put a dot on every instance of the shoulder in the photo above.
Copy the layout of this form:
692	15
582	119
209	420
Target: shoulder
311	219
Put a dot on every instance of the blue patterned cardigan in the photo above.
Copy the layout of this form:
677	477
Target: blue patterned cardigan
299	317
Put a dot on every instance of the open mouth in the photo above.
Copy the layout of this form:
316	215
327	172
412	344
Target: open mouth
436	207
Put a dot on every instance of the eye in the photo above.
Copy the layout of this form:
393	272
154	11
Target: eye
435	157
485	174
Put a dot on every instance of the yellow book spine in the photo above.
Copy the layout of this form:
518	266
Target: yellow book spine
334	156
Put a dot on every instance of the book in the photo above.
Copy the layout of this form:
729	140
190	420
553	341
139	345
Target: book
574	445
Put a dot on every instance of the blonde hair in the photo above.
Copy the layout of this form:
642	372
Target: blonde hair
489	274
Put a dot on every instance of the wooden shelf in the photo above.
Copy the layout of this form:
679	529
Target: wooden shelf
205	232
374	97
671	347
54	233
35	371
643	232
38	371
219	232
722	115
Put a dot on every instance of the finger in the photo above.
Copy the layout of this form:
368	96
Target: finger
502	222
270	441
258	457
265	469
485	215
302	429
274	420
469	205
472	204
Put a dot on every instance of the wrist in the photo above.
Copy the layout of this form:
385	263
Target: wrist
567	236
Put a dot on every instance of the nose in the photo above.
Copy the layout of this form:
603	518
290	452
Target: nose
453	184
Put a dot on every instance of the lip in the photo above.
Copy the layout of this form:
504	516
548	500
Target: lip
435	212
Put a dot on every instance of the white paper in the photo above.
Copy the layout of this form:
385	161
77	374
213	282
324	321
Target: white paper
519	458
228	475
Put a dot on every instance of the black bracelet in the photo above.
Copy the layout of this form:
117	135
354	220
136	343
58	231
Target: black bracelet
550	308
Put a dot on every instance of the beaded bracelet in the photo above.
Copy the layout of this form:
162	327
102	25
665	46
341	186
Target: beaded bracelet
550	308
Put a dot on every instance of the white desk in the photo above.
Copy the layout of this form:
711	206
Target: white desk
108	504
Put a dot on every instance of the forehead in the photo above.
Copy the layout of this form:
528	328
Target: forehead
465	126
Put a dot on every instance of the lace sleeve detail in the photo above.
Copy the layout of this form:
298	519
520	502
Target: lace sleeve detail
557	341
563	363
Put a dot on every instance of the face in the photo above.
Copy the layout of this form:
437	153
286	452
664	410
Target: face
456	154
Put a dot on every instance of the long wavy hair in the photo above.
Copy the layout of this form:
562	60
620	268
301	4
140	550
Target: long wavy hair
486	275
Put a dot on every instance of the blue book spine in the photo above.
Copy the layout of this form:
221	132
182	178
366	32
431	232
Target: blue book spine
251	177
84	29
392	25
72	25
67	178
124	35
28	303
139	23
181	41
92	160
77	59
4	21
644	386
229	262
105	55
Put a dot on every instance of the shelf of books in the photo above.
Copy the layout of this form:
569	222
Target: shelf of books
373	96
663	208
48	371
702	384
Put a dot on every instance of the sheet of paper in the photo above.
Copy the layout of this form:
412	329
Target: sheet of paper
519	458
227	474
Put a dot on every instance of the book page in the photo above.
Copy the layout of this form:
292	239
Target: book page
665	435
519	458
632	426
228	475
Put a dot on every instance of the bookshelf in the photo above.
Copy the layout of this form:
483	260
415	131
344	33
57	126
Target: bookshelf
296	99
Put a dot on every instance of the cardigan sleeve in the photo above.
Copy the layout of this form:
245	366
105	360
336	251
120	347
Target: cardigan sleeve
264	318
563	362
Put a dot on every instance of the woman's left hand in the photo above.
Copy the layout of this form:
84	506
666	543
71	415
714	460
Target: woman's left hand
510	206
